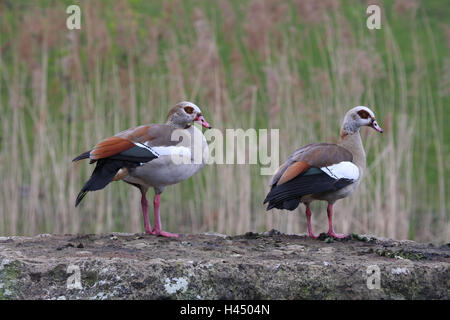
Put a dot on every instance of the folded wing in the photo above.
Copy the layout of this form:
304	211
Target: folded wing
127	149
313	169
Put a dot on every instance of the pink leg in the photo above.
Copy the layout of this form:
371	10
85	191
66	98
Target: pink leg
330	223
144	205
157	230
308	220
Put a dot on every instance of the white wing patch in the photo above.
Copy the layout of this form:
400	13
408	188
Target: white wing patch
342	170
173	150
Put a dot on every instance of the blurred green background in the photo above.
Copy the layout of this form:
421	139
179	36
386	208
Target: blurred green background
296	65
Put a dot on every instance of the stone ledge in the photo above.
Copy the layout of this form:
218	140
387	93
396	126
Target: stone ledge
214	266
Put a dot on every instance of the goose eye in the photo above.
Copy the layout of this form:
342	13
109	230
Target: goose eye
189	110
363	114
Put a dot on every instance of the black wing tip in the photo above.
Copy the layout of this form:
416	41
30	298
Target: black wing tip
80	197
103	174
286	204
267	200
84	155
271	205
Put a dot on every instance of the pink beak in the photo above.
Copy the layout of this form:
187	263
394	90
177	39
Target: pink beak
203	122
375	126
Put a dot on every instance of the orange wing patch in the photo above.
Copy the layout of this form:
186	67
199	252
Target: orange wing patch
110	147
294	170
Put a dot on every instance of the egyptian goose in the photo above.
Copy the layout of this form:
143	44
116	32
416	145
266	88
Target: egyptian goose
147	156
323	171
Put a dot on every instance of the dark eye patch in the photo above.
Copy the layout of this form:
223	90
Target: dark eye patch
363	114
189	110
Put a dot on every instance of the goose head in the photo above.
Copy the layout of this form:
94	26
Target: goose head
360	116
184	113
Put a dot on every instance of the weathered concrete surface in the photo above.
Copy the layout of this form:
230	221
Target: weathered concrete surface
252	266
